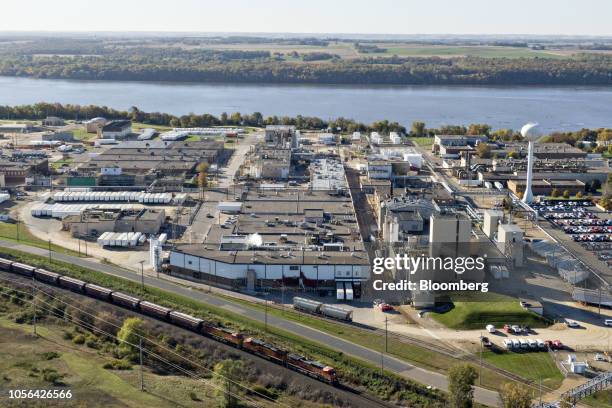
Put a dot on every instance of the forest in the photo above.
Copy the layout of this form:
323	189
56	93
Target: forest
137	61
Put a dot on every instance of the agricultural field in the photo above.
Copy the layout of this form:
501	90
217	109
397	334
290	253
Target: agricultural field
409	50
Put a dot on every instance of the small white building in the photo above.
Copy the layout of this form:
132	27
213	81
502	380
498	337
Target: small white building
117	129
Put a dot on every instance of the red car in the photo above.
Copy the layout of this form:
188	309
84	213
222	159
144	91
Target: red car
557	344
507	328
385	307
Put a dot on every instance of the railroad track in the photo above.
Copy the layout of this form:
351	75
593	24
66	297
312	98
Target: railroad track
367	400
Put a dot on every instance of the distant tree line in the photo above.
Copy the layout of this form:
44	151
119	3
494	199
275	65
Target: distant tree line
41	110
90	61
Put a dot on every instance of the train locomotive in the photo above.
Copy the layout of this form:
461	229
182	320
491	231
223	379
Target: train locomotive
236	339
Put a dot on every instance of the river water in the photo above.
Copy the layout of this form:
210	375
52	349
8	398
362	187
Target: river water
555	108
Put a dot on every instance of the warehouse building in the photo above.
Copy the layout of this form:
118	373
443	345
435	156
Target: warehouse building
53	121
296	238
93	222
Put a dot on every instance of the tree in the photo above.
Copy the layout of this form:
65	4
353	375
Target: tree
461	378
228	372
566	403
515	396
483	150
202	178
129	336
418	129
566	194
478	129
512	155
579	194
595	185
555	193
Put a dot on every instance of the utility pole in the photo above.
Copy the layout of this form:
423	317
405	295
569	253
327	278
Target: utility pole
480	373
49	251
34	303
17	216
142	276
141	373
266	313
386	335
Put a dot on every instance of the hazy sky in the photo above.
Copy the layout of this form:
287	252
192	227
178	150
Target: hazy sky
570	17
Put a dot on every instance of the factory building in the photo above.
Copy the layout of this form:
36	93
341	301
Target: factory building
281	135
305	239
93	222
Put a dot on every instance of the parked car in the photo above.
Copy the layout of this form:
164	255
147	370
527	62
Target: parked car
572	323
377	302
508	344
608	322
507	328
600	357
385	307
557	344
486	342
517	329
491	328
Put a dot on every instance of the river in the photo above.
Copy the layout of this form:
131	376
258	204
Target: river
555	108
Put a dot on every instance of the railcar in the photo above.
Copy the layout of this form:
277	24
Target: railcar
124	300
44	275
154	310
98	292
76	285
22	269
186	321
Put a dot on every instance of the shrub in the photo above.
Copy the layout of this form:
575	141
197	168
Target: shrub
50	355
117	365
78	339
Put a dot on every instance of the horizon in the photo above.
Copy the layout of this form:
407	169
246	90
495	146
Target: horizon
389	17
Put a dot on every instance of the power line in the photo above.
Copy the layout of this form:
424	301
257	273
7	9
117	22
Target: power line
165	348
53	309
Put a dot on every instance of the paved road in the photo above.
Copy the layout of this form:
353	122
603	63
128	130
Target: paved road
400	367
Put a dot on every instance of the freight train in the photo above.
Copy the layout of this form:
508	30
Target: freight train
233	338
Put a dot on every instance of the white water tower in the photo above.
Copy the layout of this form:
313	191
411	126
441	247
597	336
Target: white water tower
531	133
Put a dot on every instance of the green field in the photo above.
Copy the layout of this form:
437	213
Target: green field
534	366
477	311
13	232
459	51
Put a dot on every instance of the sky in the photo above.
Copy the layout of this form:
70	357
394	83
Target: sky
540	17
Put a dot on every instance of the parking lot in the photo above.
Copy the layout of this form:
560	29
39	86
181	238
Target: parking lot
581	223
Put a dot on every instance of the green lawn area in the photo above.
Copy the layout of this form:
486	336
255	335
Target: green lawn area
532	366
422	141
601	399
477	310
81	134
10	232
137	126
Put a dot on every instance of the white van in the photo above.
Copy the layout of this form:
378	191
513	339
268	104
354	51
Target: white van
608	322
491	328
507	343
